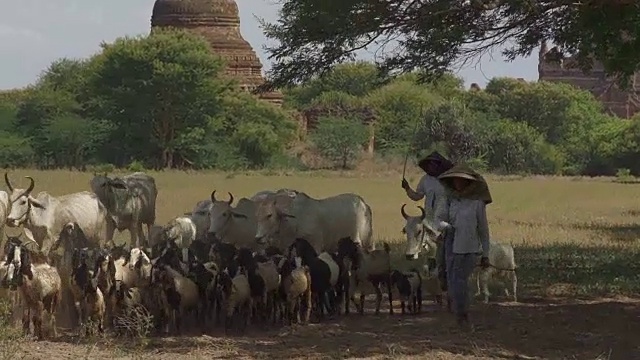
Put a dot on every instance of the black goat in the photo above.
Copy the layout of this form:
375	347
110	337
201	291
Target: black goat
324	274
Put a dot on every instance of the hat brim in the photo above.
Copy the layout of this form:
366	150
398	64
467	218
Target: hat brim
460	175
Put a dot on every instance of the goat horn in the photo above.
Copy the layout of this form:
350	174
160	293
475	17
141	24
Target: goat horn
230	198
404	214
6	180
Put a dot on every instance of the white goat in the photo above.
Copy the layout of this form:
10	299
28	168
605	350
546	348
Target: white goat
502	266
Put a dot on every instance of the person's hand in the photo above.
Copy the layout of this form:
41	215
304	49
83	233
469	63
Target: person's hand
484	262
405	184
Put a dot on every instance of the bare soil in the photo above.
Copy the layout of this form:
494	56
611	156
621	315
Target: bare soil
533	329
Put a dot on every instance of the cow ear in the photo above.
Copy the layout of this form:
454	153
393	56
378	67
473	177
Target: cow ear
36	203
118	184
238	215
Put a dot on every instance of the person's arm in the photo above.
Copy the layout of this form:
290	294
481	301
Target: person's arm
441	213
416	195
483	228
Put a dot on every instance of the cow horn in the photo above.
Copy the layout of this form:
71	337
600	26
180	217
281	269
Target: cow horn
29	189
213	196
230	198
404	214
424	214
6	180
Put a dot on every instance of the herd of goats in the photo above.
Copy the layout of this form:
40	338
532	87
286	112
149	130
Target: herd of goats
276	257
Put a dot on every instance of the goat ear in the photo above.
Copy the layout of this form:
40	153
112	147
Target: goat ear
111	267
128	294
26	264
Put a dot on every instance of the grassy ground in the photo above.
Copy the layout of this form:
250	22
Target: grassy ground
576	247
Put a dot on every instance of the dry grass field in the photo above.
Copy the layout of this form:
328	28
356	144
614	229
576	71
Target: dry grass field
577	249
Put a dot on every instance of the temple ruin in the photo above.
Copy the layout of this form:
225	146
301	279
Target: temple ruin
218	21
616	101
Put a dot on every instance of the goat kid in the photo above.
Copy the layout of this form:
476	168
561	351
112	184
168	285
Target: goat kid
409	286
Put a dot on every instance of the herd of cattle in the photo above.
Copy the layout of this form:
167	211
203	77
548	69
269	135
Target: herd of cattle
277	256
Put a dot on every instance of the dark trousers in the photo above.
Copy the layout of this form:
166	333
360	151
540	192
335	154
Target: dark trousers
458	270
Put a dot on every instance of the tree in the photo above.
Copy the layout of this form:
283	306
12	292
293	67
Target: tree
157	90
515	147
435	35
452	126
339	140
399	106
355	79
256	131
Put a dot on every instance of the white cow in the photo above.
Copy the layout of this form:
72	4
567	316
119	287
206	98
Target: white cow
234	225
201	218
44	216
5	208
282	218
420	234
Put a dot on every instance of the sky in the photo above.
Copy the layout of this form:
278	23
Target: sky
34	33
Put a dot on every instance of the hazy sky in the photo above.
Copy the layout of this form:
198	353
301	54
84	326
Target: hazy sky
33	33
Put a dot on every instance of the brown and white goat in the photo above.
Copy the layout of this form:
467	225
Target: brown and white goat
179	295
39	285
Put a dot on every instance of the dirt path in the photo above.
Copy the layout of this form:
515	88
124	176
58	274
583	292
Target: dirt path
578	330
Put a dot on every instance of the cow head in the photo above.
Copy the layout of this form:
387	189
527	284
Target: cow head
21	202
221	214
109	190
269	218
18	264
416	232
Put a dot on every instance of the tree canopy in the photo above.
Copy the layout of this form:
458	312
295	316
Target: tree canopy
162	101
435	35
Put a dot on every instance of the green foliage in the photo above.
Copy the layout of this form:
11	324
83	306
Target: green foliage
156	90
516	147
312	36
356	79
256	130
398	107
15	151
340	140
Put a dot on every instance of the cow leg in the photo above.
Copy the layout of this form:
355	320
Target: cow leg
142	241
111	229
133	233
48	241
483	278
147	237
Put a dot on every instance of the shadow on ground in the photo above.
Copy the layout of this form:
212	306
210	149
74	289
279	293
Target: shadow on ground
585	330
